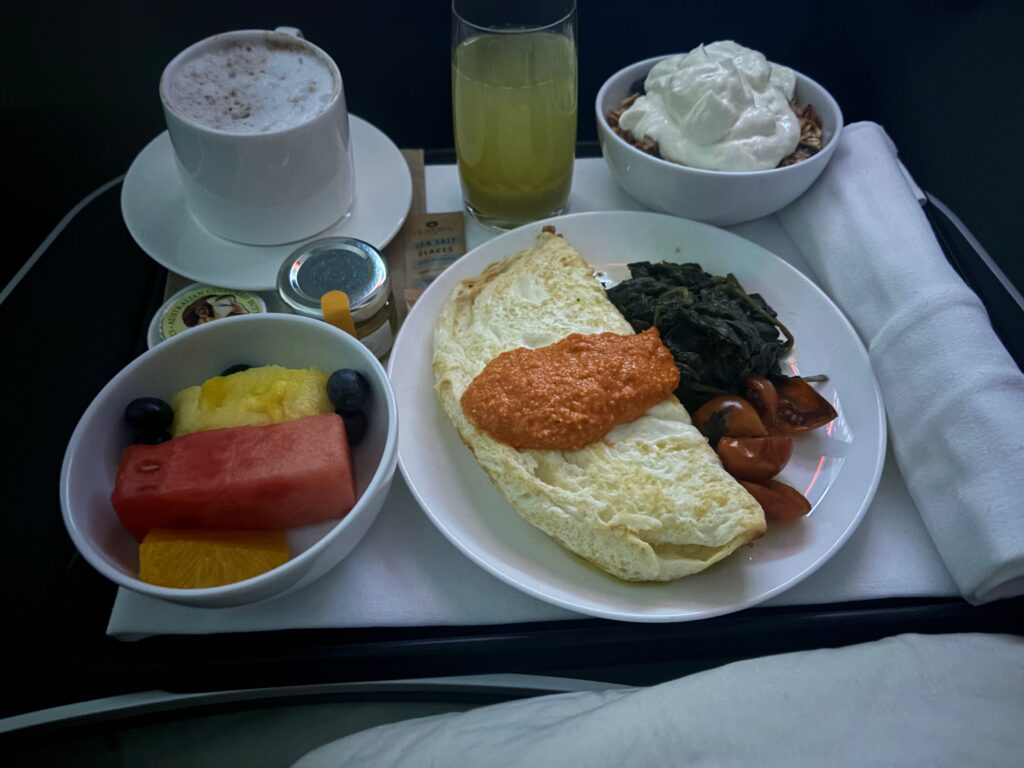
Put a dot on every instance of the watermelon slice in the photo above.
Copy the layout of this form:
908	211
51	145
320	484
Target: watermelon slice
266	477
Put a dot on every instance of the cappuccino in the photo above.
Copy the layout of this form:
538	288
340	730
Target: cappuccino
250	86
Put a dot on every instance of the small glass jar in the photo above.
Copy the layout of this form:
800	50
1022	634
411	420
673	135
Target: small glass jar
349	265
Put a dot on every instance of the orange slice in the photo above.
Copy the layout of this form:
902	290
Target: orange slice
190	559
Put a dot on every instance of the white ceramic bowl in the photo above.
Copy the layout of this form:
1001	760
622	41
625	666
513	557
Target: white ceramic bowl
715	197
93	455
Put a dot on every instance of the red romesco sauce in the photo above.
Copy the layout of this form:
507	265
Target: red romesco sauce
570	394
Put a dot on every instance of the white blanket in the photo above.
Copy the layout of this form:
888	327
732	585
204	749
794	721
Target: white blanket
913	700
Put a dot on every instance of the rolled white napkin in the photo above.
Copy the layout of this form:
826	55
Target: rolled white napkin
953	395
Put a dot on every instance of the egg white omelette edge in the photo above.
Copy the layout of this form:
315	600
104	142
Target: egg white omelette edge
650	501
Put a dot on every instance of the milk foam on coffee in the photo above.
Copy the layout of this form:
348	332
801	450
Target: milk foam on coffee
255	85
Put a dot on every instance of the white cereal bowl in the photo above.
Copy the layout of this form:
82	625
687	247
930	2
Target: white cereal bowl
716	197
94	452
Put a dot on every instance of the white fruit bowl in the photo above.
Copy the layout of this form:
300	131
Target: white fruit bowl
716	197
94	452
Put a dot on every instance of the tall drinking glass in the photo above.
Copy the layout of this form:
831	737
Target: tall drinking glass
514	107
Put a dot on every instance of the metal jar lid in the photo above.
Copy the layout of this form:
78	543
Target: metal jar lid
335	264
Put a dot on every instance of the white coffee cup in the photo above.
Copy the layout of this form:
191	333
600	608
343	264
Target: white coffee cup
269	162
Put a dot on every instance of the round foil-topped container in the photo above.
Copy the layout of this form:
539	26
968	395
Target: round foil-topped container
197	305
349	265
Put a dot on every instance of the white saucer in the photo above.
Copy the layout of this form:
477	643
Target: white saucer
153	206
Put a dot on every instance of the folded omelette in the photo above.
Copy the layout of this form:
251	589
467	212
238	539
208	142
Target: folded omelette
648	502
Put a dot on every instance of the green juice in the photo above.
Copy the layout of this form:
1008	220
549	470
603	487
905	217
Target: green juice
514	103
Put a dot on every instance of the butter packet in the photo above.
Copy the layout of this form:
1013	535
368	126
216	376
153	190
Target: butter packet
196	305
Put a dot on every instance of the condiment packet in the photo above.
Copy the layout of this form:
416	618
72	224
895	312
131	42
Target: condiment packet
433	241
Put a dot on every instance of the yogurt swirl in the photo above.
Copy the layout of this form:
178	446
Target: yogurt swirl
720	107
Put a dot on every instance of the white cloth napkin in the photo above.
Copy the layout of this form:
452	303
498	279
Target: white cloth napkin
406	574
953	395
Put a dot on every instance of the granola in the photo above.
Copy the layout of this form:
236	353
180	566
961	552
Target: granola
810	131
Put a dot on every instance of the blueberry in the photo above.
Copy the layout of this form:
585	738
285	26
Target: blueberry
355	425
149	415
151	438
347	389
235	369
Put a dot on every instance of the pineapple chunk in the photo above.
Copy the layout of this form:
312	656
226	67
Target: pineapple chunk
269	394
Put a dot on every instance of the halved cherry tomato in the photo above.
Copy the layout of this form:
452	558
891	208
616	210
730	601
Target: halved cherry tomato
800	405
755	458
788	405
778	500
728	416
762	395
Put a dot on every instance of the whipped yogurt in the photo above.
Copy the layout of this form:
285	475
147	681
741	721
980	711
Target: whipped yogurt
720	107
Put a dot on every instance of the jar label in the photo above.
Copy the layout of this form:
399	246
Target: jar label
379	341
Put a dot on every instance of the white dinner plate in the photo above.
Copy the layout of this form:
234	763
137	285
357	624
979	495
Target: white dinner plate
836	467
153	206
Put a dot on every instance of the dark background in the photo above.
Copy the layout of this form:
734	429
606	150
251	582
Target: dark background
942	76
